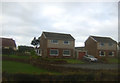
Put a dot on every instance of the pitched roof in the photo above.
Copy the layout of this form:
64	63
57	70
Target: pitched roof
8	42
58	36
104	39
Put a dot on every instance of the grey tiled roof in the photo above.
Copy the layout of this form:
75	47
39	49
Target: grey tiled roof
104	39
58	36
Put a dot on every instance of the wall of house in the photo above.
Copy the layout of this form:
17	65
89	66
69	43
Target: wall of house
61	44
107	47
91	46
107	53
43	45
60	55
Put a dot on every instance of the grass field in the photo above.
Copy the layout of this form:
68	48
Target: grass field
16	56
17	67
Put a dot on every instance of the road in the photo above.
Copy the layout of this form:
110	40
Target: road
92	66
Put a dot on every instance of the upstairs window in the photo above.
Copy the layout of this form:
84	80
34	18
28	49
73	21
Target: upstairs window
110	44
54	41
101	44
66	42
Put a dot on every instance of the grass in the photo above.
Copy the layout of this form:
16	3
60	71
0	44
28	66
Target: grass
68	60
73	61
16	56
113	60
17	67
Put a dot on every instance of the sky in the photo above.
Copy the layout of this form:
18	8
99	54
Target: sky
23	21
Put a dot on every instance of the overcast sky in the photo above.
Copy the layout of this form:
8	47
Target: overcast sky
23	21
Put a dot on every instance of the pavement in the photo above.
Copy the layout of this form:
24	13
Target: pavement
95	66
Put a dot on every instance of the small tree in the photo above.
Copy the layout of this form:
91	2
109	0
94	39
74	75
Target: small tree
35	42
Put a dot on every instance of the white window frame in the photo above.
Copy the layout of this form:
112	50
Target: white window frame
54	54
112	54
39	52
67	54
100	53
66	43
54	42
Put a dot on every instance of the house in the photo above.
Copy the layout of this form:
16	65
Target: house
119	49
101	46
80	52
38	51
8	43
57	45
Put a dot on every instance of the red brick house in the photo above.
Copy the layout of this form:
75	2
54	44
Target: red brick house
101	46
56	45
8	43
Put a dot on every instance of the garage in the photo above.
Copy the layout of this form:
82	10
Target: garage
80	52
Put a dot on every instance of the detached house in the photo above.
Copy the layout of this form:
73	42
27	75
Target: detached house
56	45
101	46
8	43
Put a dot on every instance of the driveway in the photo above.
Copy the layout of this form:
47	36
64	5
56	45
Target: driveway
92	66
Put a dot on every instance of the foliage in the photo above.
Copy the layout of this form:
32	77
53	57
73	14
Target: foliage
67	60
71	78
8	51
33	53
25	48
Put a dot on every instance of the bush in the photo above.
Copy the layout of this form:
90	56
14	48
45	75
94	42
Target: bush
103	59
8	51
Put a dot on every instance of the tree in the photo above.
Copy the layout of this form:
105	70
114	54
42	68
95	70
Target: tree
25	48
35	42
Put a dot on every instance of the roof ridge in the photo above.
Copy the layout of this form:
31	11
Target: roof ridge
6	38
101	37
55	32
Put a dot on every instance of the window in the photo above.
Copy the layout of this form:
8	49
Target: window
102	53
66	52
111	53
101	44
54	41
38	51
110	44
66	42
53	52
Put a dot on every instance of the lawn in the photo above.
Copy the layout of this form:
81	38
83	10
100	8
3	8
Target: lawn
68	60
16	56
113	60
17	67
74	61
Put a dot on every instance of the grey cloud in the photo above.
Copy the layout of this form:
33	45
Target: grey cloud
26	20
